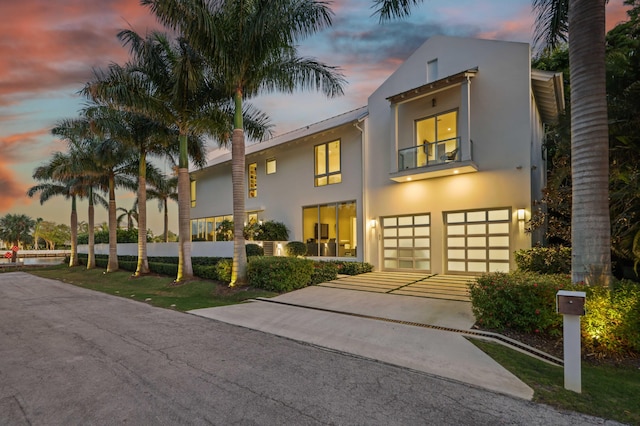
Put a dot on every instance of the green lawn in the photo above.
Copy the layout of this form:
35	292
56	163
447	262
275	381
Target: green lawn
608	392
153	289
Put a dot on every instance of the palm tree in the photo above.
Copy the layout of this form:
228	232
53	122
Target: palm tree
584	21
16	229
36	232
60	176
170	82
252	46
162	190
91	172
131	214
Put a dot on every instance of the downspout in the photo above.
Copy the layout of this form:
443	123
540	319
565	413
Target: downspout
365	205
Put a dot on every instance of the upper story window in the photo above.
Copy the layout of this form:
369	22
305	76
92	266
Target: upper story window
252	177
270	166
193	193
327	164
438	135
432	70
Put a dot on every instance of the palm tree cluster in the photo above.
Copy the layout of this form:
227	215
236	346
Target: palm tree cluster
175	91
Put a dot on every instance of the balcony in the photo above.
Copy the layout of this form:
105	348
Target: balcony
431	160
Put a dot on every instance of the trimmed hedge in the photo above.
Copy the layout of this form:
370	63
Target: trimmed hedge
279	274
254	250
525	301
296	248
353	268
323	272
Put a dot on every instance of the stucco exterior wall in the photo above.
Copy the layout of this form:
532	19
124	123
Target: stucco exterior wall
282	195
500	128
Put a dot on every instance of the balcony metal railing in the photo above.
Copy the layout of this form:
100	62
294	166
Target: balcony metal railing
429	154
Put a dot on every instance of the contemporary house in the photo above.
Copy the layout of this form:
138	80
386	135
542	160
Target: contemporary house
437	173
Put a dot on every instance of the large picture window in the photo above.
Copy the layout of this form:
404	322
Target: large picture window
331	230
218	228
327	164
438	135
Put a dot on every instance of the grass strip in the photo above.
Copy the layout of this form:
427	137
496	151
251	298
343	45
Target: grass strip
157	290
609	392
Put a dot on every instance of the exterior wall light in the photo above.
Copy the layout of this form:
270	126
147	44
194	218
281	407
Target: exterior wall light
373	223
521	214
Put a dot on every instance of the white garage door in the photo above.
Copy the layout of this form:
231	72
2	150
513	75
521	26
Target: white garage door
478	241
406	242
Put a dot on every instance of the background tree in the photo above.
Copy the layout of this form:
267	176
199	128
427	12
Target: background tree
164	189
131	215
59	176
252	47
16	230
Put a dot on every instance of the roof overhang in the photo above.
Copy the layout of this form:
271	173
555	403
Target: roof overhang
433	87
548	92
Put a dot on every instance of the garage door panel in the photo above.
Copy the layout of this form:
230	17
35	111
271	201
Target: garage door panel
478	241
407	243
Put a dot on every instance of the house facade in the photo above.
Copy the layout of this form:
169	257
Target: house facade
437	173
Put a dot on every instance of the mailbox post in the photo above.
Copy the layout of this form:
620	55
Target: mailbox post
571	305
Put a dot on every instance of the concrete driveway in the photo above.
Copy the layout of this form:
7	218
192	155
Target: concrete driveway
70	356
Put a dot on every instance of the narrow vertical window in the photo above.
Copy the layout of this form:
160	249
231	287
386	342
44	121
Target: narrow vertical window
432	70
193	193
327	164
271	166
253	180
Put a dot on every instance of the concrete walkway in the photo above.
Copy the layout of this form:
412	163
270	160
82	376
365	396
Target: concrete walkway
345	320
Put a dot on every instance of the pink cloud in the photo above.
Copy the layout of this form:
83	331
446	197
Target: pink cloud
51	45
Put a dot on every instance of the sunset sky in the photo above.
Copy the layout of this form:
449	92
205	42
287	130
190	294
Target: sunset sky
49	48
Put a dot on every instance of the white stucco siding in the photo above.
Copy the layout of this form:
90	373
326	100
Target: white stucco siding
281	195
500	128
213	192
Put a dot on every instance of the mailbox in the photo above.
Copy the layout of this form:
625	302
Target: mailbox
570	302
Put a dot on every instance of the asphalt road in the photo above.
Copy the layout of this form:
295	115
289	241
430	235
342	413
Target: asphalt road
70	356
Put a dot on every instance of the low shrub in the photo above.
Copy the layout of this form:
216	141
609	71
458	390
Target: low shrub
170	269
525	301
296	248
521	301
354	268
279	274
254	250
544	260
206	272
612	320
323	272
223	270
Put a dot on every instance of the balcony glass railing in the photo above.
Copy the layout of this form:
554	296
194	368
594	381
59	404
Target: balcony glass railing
429	154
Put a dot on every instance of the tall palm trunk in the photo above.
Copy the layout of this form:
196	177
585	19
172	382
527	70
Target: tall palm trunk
73	260
239	267
112	264
590	223
185	269
91	259
166	220
143	263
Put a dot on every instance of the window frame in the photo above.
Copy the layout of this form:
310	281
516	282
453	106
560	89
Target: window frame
266	166
328	174
252	180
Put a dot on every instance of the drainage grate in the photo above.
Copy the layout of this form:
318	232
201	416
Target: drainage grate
493	336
